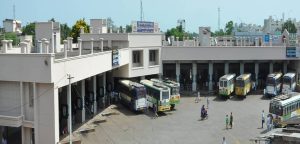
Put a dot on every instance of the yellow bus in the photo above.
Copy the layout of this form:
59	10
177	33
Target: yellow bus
243	85
226	85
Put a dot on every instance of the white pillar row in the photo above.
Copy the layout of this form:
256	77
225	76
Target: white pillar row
10	44
83	102
70	43
285	67
95	93
256	72
23	46
79	46
226	68
242	68
92	45
39	46
101	44
177	71
65	48
210	73
104	88
194	84
43	45
271	67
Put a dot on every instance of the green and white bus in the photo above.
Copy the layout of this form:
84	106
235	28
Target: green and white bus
285	107
157	95
174	89
226	85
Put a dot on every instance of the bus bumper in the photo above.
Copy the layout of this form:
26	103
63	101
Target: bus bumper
164	108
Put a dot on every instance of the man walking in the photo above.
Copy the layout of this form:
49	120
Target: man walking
262	119
231	120
226	121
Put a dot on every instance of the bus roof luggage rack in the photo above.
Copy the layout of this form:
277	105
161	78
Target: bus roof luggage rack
285	96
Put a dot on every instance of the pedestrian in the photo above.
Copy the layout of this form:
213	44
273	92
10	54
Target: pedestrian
207	101
198	97
226	121
268	122
262	119
223	141
155	111
231	120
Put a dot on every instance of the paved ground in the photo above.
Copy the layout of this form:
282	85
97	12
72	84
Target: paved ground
183	124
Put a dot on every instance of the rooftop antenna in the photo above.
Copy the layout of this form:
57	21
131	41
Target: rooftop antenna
219	18
142	12
14	11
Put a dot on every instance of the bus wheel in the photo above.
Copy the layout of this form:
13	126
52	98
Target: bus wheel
172	106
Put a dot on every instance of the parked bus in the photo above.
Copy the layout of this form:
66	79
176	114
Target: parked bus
132	94
157	95
243	84
288	83
174	89
285	107
226	85
273	84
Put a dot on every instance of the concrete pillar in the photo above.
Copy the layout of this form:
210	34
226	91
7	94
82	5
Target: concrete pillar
95	93
271	43
256	72
226	67
101	44
245	41
81	30
69	101
242	68
28	47
10	44
39	47
83	102
177	71
66	48
104	88
210	73
194	40
109	43
237	41
91	30
70	43
177	41
194	85
271	67
35	109
4	46
92	45
143	77
43	45
224	41
23	46
46	46
285	67
80	46
256	41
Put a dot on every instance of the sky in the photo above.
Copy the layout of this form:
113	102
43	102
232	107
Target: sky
165	12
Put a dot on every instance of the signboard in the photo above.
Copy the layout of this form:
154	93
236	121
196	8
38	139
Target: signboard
115	57
145	27
291	52
267	38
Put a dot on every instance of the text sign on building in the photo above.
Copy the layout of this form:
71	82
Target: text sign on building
267	38
291	52
115	57
145	27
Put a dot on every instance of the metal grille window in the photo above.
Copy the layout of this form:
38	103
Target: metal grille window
136	56
152	56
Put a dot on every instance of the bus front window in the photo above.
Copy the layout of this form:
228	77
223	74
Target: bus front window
240	83
225	83
286	80
271	81
165	95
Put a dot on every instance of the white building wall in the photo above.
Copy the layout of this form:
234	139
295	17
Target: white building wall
145	40
8	26
10	100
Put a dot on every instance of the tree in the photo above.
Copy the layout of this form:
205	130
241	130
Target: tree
176	32
29	29
11	36
121	29
229	28
218	33
289	26
65	31
128	28
75	32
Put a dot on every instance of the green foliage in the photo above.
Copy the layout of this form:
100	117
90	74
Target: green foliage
128	28
229	28
218	33
176	32
65	31
289	26
75	32
11	36
29	29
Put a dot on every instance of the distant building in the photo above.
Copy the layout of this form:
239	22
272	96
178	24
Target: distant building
243	27
204	36
98	26
181	22
11	25
145	27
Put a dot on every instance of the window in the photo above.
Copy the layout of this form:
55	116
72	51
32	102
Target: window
136	56
152	55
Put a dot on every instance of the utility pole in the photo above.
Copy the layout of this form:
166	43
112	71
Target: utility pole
219	18
141	12
70	109
14	12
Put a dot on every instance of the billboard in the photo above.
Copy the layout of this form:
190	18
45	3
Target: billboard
291	52
267	38
115	57
145	27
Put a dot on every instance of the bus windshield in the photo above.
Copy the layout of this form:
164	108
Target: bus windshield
270	81
140	92
240	83
175	90
276	109
286	80
165	95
